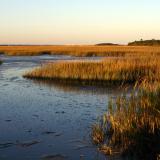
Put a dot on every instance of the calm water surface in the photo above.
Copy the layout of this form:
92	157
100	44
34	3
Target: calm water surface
40	119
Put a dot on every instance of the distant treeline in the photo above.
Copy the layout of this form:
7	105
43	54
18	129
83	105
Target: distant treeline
106	44
152	42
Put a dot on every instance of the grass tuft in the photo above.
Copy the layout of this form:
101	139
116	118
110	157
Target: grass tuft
132	124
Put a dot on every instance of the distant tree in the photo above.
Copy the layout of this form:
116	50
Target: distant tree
152	42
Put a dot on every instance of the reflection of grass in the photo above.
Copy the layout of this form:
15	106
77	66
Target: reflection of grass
0	62
109	70
132	124
84	50
81	88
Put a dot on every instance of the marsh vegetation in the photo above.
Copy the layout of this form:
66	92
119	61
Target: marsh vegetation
131	126
125	70
80	50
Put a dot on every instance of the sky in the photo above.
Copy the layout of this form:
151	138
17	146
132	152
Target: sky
78	21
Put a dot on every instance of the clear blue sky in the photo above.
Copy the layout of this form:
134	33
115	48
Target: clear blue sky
78	21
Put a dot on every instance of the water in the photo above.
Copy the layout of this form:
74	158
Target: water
40	118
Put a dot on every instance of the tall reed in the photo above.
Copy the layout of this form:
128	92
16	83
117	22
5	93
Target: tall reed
131	124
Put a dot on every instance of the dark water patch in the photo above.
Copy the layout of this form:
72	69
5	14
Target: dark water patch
82	146
35	115
95	88
4	85
58	134
6	145
54	157
27	143
48	132
8	120
82	82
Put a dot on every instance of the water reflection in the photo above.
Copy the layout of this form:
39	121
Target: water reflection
82	88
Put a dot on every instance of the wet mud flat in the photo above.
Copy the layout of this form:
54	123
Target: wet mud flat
43	120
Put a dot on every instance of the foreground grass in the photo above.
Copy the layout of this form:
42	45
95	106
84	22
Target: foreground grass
77	50
131	125
112	70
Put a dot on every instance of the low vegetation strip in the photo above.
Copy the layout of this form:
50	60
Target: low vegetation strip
152	42
80	50
112	70
0	62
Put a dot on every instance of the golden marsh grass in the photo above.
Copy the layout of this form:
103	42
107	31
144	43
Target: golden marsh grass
80	50
123	70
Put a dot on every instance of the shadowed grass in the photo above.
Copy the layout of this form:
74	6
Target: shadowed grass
131	125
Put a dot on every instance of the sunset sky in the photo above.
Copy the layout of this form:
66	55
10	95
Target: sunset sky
78	21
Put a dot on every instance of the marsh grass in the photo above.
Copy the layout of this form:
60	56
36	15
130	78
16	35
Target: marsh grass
80	50
126	70
132	124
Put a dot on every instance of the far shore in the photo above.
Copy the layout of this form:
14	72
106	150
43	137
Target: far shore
80	50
